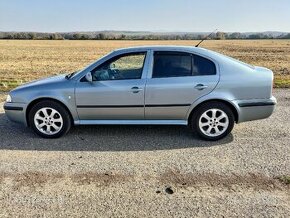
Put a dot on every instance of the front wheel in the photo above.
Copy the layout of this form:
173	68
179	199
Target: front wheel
49	119
213	121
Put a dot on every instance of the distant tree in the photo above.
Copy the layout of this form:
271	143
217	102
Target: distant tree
226	35
31	35
8	36
55	36
287	36
186	37
257	36
84	37
220	36
101	36
200	37
76	36
110	36
136	36
20	35
178	37
150	37
68	36
235	35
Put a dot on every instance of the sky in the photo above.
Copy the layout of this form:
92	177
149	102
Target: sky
145	15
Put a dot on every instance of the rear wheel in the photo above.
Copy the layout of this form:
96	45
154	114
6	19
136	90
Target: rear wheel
213	121
49	119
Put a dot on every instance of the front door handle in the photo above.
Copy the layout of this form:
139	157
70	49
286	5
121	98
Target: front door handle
136	89
200	87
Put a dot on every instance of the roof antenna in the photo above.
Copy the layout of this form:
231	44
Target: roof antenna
206	37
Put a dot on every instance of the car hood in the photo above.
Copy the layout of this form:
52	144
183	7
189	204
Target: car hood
44	81
262	69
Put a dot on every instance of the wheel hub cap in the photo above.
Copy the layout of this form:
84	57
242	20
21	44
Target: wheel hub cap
213	122
48	121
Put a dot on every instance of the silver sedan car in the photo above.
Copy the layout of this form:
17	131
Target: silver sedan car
159	85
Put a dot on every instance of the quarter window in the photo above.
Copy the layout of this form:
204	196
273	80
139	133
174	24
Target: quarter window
202	66
123	67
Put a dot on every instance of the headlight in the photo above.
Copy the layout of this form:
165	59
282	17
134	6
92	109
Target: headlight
8	99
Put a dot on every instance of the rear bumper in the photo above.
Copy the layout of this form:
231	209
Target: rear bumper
255	109
16	112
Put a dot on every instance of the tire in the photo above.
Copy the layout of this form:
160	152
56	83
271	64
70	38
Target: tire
49	119
210	127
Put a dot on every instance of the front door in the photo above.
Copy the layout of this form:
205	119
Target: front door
117	90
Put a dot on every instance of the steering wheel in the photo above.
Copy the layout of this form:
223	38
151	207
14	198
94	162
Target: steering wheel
115	74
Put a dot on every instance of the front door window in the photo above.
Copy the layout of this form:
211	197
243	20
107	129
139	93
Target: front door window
122	67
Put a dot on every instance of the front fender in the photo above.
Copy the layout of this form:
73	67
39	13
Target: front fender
63	93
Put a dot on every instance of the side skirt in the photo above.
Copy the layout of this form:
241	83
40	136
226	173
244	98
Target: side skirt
131	122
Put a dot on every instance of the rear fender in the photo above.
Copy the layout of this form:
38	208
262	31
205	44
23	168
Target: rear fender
214	96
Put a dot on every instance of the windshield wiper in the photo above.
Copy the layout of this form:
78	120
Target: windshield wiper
70	75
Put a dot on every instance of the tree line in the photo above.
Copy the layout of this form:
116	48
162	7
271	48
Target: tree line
136	36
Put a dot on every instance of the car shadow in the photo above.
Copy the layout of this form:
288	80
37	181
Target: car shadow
104	138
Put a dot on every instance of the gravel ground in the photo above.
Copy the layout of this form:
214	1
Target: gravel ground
148	171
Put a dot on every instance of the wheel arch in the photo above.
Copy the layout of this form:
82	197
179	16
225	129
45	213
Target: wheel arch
229	104
35	101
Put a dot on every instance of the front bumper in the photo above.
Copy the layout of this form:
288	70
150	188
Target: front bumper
255	109
16	112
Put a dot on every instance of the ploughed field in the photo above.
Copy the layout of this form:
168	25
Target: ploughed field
25	60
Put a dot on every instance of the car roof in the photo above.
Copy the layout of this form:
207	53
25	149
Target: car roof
161	47
190	49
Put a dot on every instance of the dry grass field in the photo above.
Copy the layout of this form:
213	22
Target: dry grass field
22	61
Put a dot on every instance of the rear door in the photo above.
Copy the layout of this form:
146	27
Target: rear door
178	79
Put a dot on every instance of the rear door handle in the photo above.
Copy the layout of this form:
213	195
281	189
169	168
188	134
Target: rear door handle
136	89
200	87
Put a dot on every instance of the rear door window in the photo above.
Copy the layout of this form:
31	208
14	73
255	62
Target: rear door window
181	64
172	64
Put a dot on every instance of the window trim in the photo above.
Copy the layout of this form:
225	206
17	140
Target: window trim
192	63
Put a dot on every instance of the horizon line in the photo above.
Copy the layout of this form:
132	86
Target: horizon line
145	31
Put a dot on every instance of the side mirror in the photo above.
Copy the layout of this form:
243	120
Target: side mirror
89	77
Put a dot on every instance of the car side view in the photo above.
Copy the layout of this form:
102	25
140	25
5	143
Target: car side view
157	85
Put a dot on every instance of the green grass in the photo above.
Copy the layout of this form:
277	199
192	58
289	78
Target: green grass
282	82
6	85
284	179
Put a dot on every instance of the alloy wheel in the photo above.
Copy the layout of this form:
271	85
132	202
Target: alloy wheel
48	121
213	122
